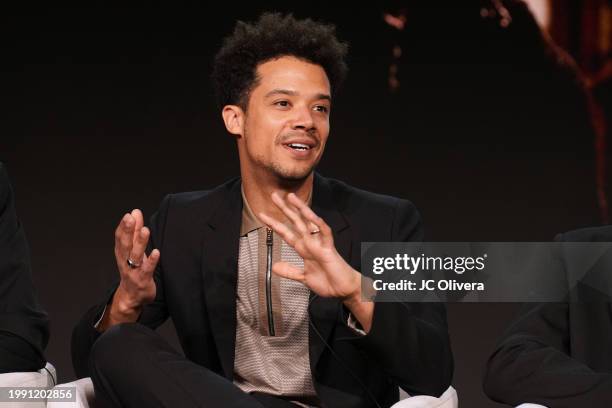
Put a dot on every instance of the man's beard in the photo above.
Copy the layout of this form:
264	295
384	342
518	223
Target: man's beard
289	177
284	176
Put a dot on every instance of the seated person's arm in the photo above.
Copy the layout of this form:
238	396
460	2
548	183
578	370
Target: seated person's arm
137	297
533	364
24	326
411	340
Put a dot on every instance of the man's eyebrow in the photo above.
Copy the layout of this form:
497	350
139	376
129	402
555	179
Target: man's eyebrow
281	92
324	96
294	93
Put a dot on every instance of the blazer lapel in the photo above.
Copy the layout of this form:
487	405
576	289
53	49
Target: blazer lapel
324	311
220	269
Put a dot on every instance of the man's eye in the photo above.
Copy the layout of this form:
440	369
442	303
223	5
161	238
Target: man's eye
322	108
282	103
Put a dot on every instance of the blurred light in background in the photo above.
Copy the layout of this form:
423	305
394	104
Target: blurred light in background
541	12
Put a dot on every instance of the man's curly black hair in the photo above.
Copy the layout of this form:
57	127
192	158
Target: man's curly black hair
274	35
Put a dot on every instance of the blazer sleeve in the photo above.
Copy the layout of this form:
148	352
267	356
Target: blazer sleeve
533	362
411	340
20	313
84	334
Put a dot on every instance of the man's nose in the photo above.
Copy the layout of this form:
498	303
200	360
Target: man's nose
303	119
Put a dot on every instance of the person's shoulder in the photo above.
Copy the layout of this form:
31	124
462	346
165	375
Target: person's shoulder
376	217
364	200
591	234
201	200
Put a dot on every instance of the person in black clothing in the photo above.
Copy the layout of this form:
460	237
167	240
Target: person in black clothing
559	354
24	327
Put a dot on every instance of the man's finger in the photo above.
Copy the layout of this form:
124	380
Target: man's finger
312	218
141	238
316	226
150	262
124	237
286	270
293	215
138	220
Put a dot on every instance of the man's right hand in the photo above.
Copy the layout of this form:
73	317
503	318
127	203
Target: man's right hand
137	287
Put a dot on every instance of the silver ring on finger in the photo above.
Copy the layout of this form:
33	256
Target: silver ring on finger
316	231
132	264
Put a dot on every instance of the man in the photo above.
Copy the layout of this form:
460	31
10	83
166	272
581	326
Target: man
263	289
24	327
559	354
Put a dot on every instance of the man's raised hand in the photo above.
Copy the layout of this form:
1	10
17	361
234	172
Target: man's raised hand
137	286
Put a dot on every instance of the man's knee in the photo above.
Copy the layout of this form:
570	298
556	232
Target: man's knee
16	354
118	347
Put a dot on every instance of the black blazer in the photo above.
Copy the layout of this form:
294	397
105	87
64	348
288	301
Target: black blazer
198	236
20	313
558	354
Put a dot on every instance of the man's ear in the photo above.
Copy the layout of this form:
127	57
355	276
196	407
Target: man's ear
233	117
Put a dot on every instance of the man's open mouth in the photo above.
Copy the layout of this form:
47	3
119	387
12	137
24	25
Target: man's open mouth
299	146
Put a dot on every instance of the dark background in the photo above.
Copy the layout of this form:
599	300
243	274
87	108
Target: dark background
108	109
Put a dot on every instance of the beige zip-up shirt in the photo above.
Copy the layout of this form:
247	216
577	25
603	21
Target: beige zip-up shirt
271	354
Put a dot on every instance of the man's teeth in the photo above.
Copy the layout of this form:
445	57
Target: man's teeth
299	146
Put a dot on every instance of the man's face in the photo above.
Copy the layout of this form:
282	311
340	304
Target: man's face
287	119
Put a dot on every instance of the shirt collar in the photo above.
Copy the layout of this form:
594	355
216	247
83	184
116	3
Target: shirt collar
249	221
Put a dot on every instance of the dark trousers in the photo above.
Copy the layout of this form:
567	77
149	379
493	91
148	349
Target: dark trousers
133	366
17	355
